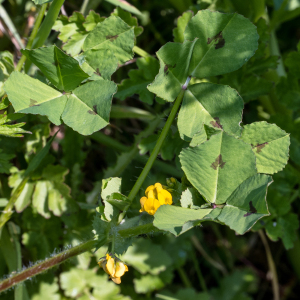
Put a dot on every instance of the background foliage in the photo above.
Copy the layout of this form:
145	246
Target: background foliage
57	205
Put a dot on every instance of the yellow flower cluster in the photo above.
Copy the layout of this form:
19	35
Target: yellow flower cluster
113	267
156	196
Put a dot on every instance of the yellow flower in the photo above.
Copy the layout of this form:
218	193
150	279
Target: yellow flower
156	196
113	267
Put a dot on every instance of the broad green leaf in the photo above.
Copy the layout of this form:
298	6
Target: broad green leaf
218	106
62	70
247	204
34	97
87	109
222	37
178	220
109	44
216	37
270	145
139	79
100	229
146	257
126	17
285	227
39	199
126	6
182	22
25	197
217	167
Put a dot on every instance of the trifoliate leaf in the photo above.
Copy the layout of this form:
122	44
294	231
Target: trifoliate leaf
139	79
270	145
34	97
218	106
206	51
217	167
62	70
182	22
109	44
247	204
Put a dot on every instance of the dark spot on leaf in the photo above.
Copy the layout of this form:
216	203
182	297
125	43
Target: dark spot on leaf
217	123
218	38
167	68
33	103
95	108
260	146
56	63
112	37
91	112
252	210
97	72
218	163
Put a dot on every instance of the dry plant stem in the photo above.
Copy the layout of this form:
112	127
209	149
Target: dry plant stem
45	265
272	267
214	263
36	26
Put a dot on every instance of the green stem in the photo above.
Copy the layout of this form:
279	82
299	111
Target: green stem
157	147
46	265
185	279
127	112
36	26
84	7
140	51
199	273
274	48
272	267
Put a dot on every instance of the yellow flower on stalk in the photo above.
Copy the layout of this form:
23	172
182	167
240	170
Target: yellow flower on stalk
114	267
156	196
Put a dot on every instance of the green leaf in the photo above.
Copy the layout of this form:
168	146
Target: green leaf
215	105
210	53
109	44
247	204
25	197
6	67
34	97
148	283
47	291
182	22
40	2
178	220
5	165
145	257
217	167
139	79
131	21
92	19
87	109
126	6
188	198
62	70
39	199
118	200
100	229
270	145
285	227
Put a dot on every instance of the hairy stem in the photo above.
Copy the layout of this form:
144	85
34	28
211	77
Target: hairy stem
46	265
272	267
36	26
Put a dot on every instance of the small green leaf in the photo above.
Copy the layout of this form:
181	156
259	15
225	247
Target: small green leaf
217	167
126	6
88	108
182	22
118	200
215	105
62	70
25	197
5	165
100	229
34	97
270	145
247	204
92	19
39	199
139	79
109	44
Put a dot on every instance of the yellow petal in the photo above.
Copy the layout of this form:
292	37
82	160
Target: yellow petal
158	187
142	201
126	268
149	188
156	205
110	266
116	280
120	269
149	205
164	197
151	194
